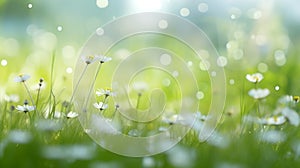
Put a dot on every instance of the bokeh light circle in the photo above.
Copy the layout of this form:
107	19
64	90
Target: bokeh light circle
155	63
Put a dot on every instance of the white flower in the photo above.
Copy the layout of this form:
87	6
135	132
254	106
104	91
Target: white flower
90	59
25	108
259	93
100	106
291	115
104	59
58	114
275	120
200	116
107	92
255	78
173	119
272	136
163	129
11	98
48	113
135	133
21	78
38	86
72	114
140	86
285	100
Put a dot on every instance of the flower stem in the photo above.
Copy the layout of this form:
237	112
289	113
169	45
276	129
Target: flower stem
37	97
92	86
76	86
137	104
27	90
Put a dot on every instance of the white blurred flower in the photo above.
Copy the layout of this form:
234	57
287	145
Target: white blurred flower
38	86
173	119
21	78
135	133
285	100
140	86
90	59
200	116
275	120
291	115
255	78
57	114
25	108
106	92
272	136
100	106
72	114
104	59
259	93
12	98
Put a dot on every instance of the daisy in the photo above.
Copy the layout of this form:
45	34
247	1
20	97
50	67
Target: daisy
90	59
254	78
275	120
285	100
140	86
200	116
173	119
72	114
39	86
106	92
25	108
11	98
22	78
104	59
100	106
259	93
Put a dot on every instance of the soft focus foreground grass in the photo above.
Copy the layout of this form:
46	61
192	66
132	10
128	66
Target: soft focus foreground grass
51	147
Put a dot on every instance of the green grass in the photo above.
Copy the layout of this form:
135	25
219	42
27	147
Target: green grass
243	147
33	140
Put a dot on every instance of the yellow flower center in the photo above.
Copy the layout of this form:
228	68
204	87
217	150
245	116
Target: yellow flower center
256	78
296	98
275	118
91	57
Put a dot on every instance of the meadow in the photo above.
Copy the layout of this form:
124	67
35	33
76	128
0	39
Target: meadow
57	90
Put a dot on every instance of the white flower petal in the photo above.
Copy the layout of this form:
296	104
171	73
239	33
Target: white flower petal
72	114
291	115
255	78
20	108
21	78
259	93
140	86
90	59
275	120
272	136
106	92
285	100
100	106
104	59
25	108
11	98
